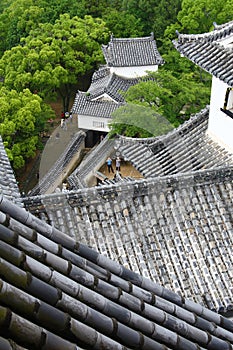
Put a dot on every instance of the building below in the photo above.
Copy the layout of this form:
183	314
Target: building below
127	61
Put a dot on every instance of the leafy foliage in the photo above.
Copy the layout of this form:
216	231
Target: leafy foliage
123	24
134	120
198	16
24	15
52	57
22	117
167	95
155	15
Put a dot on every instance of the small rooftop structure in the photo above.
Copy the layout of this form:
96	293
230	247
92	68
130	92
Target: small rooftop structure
109	86
132	52
211	51
127	60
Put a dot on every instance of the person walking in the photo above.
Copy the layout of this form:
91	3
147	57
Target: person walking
118	164
109	165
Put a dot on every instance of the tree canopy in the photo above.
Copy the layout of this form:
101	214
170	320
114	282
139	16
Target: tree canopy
22	117
53	57
198	16
161	103
123	24
24	15
135	120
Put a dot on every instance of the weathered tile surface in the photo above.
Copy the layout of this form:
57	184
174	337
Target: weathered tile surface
175	230
207	51
129	52
58	293
8	183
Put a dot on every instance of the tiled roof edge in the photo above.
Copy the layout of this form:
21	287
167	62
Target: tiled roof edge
149	140
141	186
218	33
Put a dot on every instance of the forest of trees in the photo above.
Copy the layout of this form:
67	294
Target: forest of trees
48	46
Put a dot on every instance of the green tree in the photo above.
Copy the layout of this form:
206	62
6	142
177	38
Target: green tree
53	57
198	16
24	15
154	15
54	8
122	24
176	98
22	117
135	120
165	13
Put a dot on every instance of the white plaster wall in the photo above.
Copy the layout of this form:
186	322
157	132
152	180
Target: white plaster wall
133	72
93	123
226	41
220	126
104	97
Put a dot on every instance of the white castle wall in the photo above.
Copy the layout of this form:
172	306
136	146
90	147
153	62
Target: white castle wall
93	123
133	72
220	125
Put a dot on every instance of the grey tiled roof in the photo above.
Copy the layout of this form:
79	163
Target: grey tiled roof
110	84
92	162
226	26
207	51
83	105
92	102
132	52
55	172
57	293
185	149
8	183
127	52
176	230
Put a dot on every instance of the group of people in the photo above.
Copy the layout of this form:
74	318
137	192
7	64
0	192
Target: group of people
109	164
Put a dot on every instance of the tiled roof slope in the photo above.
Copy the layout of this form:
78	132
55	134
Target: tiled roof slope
109	84
92	162
56	170
8	183
182	150
128	52
83	105
207	51
57	293
177	230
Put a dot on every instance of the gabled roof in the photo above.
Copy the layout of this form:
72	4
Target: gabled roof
185	149
208	52
8	183
110	84
83	105
128	52
57	293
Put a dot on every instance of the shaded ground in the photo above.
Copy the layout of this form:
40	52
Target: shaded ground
127	170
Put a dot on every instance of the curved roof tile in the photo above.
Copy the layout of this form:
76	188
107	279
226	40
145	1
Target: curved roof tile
8	183
68	296
208	52
126	52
